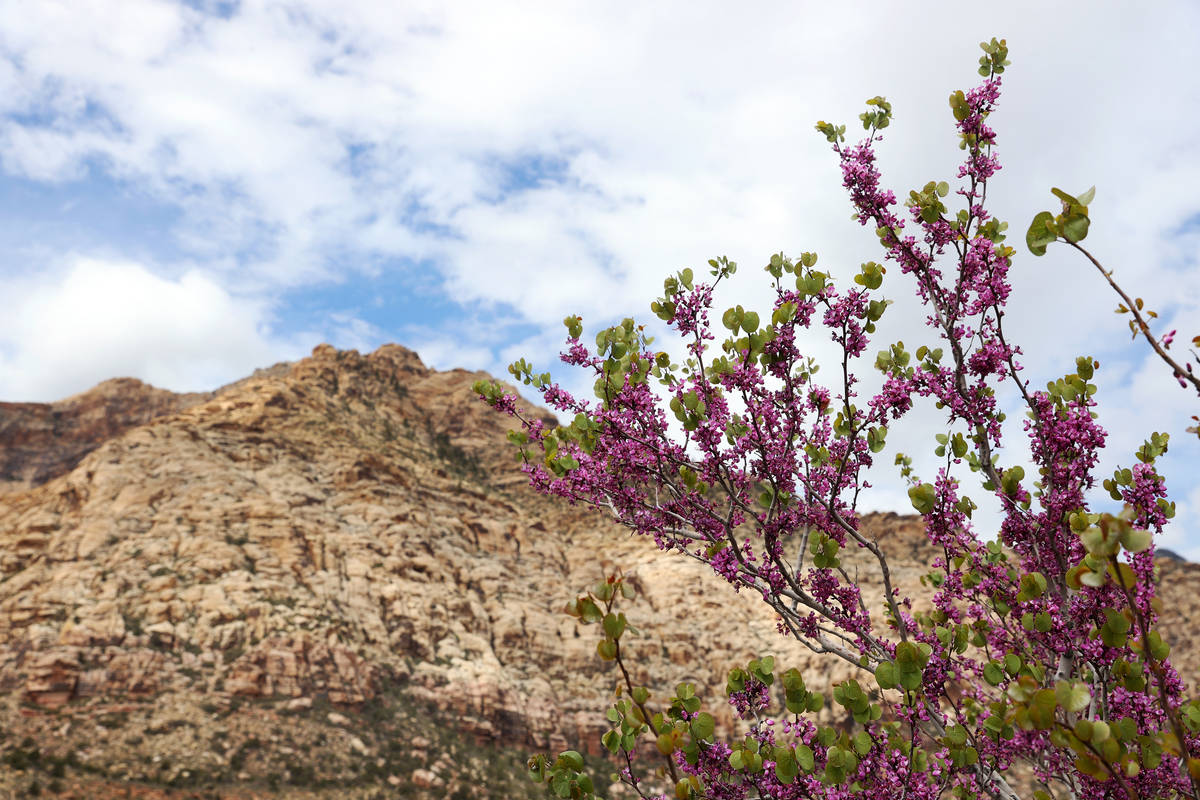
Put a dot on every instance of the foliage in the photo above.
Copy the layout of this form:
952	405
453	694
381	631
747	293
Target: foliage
1040	647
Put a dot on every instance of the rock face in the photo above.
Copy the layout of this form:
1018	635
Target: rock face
198	590
39	441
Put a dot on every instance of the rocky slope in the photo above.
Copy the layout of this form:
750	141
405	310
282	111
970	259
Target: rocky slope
39	441
327	580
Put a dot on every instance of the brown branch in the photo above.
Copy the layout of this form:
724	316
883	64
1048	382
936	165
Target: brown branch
1143	326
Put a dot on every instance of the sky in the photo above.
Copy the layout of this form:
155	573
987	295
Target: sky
191	190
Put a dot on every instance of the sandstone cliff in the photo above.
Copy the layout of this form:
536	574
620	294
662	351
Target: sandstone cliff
287	583
40	441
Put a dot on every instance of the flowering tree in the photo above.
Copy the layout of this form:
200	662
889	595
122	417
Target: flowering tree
1039	651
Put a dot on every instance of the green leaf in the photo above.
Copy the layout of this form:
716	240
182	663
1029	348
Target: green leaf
785	764
1159	649
886	675
1041	233
1032	585
923	498
1136	541
560	782
589	611
702	726
1066	198
574	328
1041	709
960	445
992	673
572	759
1012	663
910	677
1075	228
614	625
1073	697
958	104
907	653
1010	480
804	757
1114	632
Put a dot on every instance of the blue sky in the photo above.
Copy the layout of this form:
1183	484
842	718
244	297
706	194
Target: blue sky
192	190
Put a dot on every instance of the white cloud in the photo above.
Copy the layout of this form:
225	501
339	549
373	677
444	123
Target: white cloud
442	353
103	319
686	131
387	132
347	332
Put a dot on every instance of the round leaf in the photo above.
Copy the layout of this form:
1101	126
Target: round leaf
1039	235
702	726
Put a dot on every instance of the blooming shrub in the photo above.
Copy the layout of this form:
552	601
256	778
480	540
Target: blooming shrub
1040	647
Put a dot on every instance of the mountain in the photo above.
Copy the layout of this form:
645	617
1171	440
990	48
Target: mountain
40	441
330	580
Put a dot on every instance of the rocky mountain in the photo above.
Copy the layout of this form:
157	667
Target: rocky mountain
44	440
329	580
40	441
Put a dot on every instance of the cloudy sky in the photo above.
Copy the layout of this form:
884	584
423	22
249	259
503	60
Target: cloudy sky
190	190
